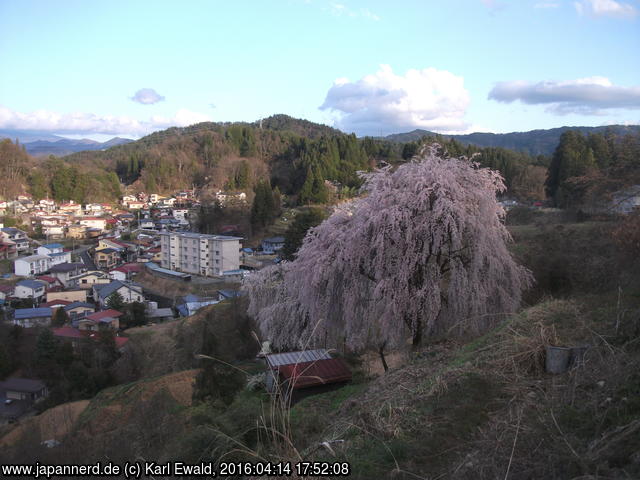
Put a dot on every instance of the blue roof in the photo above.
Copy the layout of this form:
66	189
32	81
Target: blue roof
67	267
273	240
53	245
73	305
247	250
22	313
35	284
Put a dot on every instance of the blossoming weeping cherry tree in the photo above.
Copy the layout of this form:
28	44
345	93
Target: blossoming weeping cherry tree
422	253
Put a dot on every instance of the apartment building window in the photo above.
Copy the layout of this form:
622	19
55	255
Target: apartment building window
217	252
217	261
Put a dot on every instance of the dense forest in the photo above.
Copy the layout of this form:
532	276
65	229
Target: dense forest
306	162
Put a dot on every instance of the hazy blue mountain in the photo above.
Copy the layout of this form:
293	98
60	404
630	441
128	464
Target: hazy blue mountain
534	142
44	143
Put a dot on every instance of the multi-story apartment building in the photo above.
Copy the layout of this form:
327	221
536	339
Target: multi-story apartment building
207	255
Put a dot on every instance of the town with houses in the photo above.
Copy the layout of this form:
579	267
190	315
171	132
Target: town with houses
88	255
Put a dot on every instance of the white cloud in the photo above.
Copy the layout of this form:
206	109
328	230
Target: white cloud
89	123
546	5
340	9
385	102
587	96
605	8
147	96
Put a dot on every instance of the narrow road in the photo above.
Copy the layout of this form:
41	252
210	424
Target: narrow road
87	260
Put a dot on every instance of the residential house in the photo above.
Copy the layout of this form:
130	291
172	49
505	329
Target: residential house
7	251
272	245
71	207
88	279
127	199
49	248
52	284
125	248
18	395
147	223
32	265
69	295
207	255
129	292
94	222
53	232
64	271
93	208
156	314
77	231
33	289
125	272
230	197
47	205
136	205
155	254
56	252
107	257
105	318
32	317
55	303
76	337
16	237
77	310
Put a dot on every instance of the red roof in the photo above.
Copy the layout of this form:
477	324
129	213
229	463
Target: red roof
317	372
111	313
129	268
47	278
68	332
6	288
117	242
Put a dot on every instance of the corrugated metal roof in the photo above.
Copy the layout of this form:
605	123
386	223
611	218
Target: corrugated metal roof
290	358
24	313
33	284
318	372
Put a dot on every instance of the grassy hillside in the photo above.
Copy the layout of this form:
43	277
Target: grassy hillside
467	408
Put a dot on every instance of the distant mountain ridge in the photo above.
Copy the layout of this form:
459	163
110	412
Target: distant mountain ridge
534	142
39	143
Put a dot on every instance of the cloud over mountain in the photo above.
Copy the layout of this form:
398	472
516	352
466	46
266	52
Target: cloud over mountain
82	122
584	96
385	102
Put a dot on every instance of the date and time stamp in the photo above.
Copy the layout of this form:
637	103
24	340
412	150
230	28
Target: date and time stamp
137	470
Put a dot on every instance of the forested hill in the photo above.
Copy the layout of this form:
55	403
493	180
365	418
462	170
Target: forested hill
308	162
297	156
534	142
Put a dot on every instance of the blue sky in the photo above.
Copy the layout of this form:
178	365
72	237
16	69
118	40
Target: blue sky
97	69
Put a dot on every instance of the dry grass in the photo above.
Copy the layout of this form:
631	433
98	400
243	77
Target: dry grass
54	423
